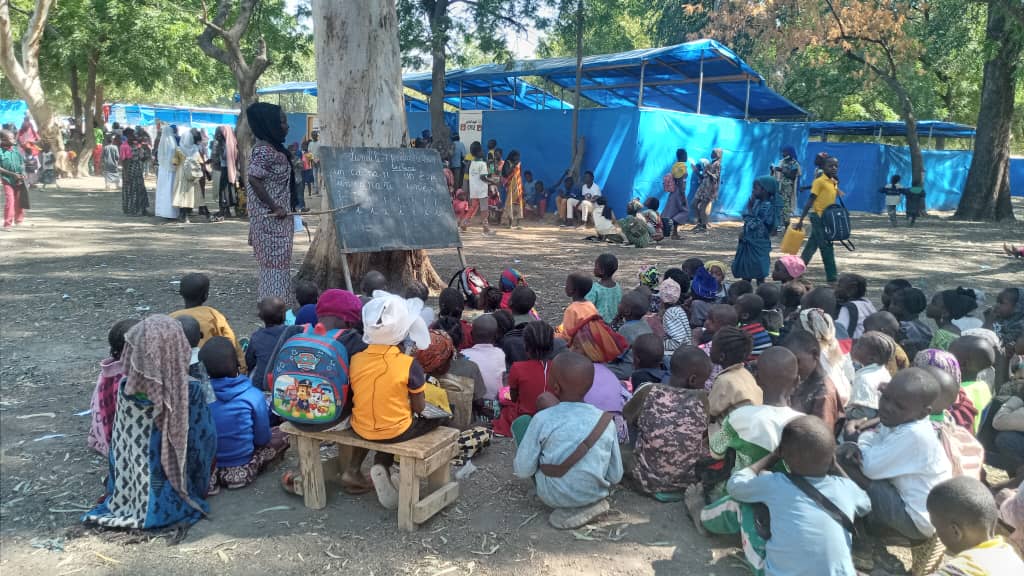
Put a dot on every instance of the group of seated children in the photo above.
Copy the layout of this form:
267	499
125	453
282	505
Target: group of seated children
724	397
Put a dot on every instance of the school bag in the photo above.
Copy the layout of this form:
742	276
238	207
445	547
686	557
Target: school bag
966	454
836	221
471	282
309	378
668	183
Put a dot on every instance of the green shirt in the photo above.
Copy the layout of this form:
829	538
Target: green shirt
11	160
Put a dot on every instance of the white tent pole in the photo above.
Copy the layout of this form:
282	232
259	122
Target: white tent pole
700	84
490	91
640	99
746	103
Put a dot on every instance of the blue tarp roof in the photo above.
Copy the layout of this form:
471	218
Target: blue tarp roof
671	78
144	114
933	128
12	111
507	93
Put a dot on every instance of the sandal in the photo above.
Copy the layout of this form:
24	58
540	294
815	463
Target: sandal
291	482
355	488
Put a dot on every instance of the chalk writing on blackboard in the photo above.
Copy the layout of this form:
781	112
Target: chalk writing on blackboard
393	199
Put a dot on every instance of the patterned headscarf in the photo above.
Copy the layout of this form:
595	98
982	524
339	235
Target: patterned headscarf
669	291
704	285
794	265
155	359
940	359
510	278
649	276
818	323
715	264
440	351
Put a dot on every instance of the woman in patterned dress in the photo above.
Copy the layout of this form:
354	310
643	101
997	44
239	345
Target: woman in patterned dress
135	200
271	229
164	439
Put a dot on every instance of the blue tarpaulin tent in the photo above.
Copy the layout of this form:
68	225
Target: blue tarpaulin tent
925	128
12	112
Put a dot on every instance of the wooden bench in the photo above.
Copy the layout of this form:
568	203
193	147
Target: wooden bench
427	457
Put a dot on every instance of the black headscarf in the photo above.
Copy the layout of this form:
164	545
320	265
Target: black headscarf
265	122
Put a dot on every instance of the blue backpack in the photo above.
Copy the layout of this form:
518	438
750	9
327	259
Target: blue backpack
309	378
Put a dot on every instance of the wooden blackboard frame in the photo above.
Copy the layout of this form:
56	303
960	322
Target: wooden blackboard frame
388	199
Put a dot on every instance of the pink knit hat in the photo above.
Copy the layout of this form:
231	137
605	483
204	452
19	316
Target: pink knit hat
793	264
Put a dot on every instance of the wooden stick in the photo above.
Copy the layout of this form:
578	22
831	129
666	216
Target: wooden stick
331	211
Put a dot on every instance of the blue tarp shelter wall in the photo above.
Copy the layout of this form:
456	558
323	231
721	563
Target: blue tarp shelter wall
416	122
1017	176
13	112
864	168
206	119
925	128
629	150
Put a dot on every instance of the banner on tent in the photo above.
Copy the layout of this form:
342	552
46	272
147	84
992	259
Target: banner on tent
471	126
388	199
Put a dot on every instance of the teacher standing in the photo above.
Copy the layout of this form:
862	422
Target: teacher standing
271	230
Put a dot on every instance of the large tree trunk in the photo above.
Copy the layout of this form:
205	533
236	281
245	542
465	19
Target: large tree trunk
243	134
76	97
24	75
986	194
89	118
359	71
439	25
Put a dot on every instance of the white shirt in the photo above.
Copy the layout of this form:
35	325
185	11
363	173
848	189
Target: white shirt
602	225
864	309
477	187
314	148
491	361
866	385
592	190
912	458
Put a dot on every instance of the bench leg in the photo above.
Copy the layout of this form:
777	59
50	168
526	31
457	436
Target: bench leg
312	470
439	478
408	494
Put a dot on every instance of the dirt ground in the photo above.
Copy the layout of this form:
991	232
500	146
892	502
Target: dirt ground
78	265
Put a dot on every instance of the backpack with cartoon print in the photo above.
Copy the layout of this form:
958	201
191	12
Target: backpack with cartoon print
309	378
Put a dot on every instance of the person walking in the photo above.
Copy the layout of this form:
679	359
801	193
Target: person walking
708	190
824	192
676	211
269	188
12	176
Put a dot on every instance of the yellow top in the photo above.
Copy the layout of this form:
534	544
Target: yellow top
989	558
679	170
380	392
824	191
212	323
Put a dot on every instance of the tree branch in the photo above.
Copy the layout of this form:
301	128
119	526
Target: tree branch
517	25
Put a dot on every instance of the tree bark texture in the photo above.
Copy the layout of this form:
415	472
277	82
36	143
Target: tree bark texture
88	117
360	103
439	26
24	75
986	193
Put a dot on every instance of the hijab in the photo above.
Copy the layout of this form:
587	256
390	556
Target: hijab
837	366
230	153
940	359
768	184
188	144
716	154
704	285
167	145
789	152
265	122
155	359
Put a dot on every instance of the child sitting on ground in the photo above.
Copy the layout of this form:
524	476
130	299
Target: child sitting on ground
737	289
771	314
719	316
887	324
194	335
387	385
952	397
451	303
372	281
674	320
748	310
806	536
907	305
580	309
417	289
195	290
854	307
306	296
633	309
104	397
263	341
571	449
704	290
788	268
527	379
974	354
735	385
648	361
901	460
890	289
605	225
946	307
606	293
246	444
488	357
964	514
792	293
671	422
872	352
815	395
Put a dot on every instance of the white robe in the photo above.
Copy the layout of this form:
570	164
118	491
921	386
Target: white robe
165	192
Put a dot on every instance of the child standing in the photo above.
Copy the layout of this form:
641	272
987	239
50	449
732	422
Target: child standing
806	536
853	306
892	192
671	421
104	398
974	354
387	385
263	341
527	379
478	186
964	514
872	352
195	290
753	251
900	461
571	450
748	309
245	442
606	293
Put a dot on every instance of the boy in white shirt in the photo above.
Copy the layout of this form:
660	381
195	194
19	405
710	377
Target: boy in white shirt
591	191
900	461
478	183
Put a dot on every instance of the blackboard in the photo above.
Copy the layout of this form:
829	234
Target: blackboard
388	199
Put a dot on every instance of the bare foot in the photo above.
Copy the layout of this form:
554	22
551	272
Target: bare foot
353	482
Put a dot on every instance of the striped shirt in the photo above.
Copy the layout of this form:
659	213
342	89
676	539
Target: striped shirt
677	329
762	339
